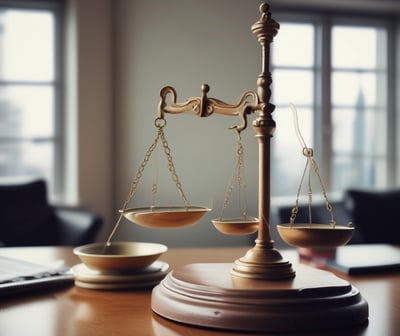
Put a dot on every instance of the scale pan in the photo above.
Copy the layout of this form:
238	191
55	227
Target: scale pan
315	235
165	217
119	257
236	226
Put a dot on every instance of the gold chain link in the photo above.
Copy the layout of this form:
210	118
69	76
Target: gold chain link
160	124
308	152
132	188
171	167
327	203
239	178
140	170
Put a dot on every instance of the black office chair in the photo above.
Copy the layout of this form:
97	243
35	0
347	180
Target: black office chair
27	219
375	214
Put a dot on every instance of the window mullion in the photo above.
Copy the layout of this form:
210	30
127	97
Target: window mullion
392	121
322	113
59	121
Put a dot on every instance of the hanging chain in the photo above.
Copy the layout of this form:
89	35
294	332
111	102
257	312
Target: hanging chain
296	207
311	163
159	123
240	179
136	180
171	167
327	203
308	152
154	186
143	164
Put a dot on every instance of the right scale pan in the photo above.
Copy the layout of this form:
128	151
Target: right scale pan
311	234
315	235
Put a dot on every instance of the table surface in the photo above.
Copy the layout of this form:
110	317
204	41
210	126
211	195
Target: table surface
78	311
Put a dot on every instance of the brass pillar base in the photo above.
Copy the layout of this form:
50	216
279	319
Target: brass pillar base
264	262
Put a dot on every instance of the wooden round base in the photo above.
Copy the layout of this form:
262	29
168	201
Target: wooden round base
208	295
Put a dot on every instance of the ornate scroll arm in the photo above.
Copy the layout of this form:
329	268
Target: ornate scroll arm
244	107
204	106
191	105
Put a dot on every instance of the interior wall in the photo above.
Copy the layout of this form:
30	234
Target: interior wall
120	53
89	122
397	103
184	44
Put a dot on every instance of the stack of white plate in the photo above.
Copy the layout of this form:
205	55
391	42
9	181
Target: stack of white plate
114	280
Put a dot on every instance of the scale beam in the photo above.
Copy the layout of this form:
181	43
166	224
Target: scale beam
263	261
204	106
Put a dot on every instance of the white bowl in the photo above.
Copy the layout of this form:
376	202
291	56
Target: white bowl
119	256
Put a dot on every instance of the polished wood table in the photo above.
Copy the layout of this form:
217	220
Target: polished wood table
78	311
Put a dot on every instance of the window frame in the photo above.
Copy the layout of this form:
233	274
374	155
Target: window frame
323	21
57	7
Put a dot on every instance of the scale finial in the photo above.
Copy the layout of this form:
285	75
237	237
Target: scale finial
266	28
264	10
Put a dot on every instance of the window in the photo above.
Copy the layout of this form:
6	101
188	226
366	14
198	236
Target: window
335	71
30	132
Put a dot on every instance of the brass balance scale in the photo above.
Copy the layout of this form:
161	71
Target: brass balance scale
260	291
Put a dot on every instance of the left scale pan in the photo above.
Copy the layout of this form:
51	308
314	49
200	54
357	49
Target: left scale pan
165	217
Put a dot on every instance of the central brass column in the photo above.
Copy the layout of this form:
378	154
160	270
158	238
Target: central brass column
263	261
